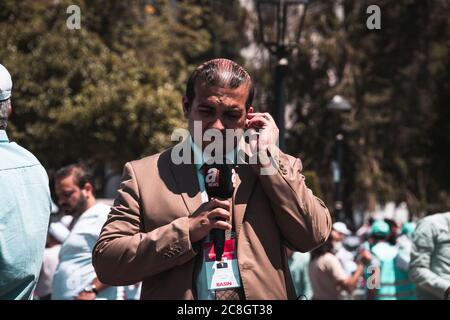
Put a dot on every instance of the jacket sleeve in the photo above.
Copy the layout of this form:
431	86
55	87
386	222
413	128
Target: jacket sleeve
420	265
303	219
124	254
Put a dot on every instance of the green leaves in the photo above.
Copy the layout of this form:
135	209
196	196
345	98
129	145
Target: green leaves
395	78
107	93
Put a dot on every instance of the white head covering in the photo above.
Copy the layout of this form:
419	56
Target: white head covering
5	83
341	228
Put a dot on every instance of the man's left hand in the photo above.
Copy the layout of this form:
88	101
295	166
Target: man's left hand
267	128
268	132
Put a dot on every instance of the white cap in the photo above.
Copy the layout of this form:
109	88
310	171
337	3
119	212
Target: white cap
341	228
5	83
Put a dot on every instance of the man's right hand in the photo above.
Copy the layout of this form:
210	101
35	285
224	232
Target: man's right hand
206	218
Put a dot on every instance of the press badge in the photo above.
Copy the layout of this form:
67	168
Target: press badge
221	274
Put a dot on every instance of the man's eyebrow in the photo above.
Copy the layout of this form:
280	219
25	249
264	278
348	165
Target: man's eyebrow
205	106
232	108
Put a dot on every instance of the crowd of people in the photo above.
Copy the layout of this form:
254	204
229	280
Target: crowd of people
376	266
384	260
67	271
147	243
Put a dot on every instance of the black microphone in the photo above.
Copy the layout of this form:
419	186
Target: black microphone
219	184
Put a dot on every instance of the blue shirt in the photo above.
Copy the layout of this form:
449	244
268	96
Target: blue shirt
200	159
202	286
298	266
25	206
75	270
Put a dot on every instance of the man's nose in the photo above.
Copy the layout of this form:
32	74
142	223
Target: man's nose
218	125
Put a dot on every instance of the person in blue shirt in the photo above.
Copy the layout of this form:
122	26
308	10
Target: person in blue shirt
25	207
75	277
299	267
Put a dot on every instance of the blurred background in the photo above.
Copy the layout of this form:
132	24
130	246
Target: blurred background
367	110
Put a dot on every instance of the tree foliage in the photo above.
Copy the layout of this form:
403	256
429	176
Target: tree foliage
396	78
111	91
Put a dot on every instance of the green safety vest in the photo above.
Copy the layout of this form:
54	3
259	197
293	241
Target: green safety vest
394	282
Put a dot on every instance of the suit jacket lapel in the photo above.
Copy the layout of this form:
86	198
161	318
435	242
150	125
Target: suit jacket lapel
245	180
185	176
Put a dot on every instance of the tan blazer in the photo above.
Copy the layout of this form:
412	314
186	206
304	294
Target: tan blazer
146	236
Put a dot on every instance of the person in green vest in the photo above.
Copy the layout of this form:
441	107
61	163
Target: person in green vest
386	278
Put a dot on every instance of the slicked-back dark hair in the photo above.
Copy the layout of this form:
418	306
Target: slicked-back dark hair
222	73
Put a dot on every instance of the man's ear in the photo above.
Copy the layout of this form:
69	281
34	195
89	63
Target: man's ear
186	106
88	188
9	109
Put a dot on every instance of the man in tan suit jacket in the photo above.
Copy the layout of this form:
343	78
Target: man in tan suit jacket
158	218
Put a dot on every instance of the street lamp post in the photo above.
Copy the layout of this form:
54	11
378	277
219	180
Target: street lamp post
280	26
336	167
339	105
280	101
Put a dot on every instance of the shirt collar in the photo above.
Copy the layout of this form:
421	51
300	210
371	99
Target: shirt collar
200	159
3	136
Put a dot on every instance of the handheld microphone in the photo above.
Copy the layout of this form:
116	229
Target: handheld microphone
219	184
